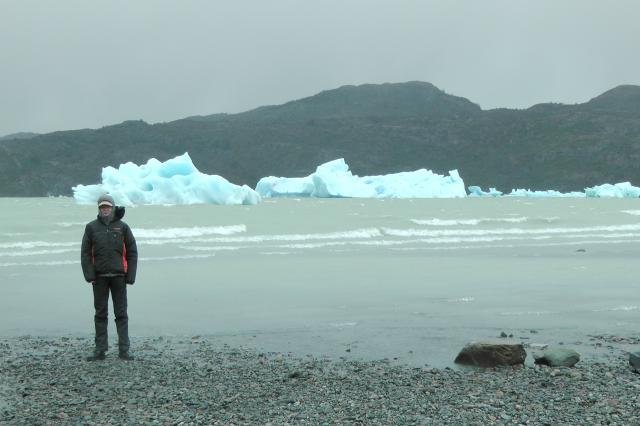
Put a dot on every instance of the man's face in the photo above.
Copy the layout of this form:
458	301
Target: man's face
105	211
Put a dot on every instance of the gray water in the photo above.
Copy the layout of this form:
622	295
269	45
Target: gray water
408	279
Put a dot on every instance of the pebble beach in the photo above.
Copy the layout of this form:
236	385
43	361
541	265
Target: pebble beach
199	380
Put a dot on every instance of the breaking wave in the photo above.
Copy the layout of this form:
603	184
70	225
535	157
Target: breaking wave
468	222
195	231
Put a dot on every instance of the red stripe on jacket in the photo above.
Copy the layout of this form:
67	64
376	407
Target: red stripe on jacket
124	258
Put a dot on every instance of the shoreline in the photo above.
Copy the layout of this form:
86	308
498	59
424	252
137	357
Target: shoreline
421	347
201	380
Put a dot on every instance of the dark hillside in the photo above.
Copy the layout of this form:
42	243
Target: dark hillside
20	135
376	128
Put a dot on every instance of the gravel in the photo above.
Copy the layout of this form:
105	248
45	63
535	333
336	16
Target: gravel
202	381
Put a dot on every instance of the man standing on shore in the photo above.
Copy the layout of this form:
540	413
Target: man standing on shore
109	258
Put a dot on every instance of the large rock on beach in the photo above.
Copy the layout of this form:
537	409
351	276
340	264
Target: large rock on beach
634	361
557	357
492	354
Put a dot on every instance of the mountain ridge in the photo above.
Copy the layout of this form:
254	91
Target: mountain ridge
377	128
19	135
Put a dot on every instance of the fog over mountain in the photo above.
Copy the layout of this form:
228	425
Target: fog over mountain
377	128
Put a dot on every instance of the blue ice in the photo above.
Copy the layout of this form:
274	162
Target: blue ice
178	181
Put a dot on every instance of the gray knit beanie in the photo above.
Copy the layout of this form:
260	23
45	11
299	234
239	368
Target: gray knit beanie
106	200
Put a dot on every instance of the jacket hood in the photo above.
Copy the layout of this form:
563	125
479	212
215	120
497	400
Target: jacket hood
118	213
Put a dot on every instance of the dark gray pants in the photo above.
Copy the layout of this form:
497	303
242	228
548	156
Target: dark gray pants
118	289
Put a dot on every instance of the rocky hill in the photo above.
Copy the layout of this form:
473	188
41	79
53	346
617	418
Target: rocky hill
376	128
19	135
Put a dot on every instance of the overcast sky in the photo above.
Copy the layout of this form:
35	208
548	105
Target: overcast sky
77	63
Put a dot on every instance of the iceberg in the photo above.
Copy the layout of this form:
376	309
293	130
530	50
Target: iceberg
476	191
272	186
175	181
178	181
543	194
334	180
607	190
619	190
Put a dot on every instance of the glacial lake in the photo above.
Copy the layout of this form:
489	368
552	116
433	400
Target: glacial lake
408	280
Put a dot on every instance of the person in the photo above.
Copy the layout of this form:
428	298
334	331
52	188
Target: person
109	258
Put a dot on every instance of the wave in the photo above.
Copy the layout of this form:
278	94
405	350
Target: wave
41	263
197	235
343	324
70	224
178	257
434	242
195	231
373	237
547	220
358	233
506	231
462	300
618	308
495	246
33	244
473	222
213	248
77	262
34	252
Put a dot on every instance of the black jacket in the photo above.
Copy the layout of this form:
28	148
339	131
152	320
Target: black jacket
109	249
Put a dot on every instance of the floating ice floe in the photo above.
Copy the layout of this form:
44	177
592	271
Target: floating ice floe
543	194
607	190
175	181
619	190
476	191
178	181
335	180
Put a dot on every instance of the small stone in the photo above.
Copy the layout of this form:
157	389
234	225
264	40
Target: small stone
538	346
492	354
556	372
634	361
575	375
557	357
